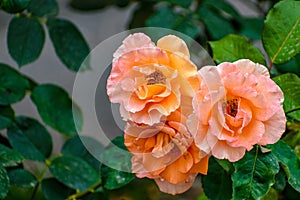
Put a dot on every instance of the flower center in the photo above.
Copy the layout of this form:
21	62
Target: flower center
231	107
156	77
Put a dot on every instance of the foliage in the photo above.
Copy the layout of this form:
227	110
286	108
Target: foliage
74	173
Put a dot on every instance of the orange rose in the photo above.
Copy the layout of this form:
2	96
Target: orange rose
236	106
147	80
166	153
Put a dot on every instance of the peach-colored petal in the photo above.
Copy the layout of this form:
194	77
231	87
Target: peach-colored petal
275	127
133	42
222	150
173	44
247	66
174	189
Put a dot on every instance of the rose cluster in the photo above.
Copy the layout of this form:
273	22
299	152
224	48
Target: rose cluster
178	116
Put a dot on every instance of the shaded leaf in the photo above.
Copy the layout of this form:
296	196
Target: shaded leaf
52	189
271	195
4	183
285	155
76	146
74	172
55	108
69	44
43	8
281	31
14	6
113	179
223	6
7	115
25	40
254	175
235	47
30	138
290	85
216	25
251	27
116	155
280	180
9	157
217	183
12	85
22	178
293	66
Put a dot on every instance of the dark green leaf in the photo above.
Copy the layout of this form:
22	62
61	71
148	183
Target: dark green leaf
254	174
7	114
113	179
30	138
216	25
9	157
12	85
280	181
290	85
89	5
251	27
289	159
293	66
43	8
292	138
25	40
141	13
14	6
217	183
74	172
281	31
21	178
4	183
165	17
52	189
77	146
182	3
225	164
223	6
55	108
116	155
235	47
68	42
290	193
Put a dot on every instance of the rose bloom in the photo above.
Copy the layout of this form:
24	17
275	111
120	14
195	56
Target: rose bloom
166	153
236	106
148	80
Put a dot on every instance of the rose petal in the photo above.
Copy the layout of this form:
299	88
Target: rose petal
222	150
173	44
247	66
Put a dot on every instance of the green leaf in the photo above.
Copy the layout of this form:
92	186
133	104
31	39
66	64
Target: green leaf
222	6
52	189
182	3
55	108
217	184
14	6
280	180
30	138
68	42
25	40
254	174
216	25
251	27
290	85
7	115
290	161
9	157
116	155
76	146
4	183
12	85
271	195
292	66
235	47
22	178
281	31
202	197
74	172
113	179
43	8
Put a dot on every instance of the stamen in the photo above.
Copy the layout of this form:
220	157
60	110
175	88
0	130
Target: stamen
231	107
156	77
